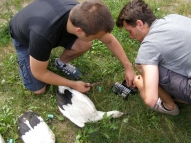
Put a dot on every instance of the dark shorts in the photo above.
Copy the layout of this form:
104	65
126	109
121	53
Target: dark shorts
29	81
175	84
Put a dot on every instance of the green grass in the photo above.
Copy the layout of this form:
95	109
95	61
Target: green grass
141	125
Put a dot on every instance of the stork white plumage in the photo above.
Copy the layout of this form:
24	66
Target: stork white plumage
33	129
1	139
78	108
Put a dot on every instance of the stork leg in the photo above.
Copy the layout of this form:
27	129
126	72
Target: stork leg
114	114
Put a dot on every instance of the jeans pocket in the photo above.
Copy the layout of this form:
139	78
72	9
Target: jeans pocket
165	85
164	81
171	84
25	71
175	85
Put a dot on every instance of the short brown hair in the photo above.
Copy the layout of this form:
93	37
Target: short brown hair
133	11
92	16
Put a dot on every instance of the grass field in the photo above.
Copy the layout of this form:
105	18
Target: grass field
142	125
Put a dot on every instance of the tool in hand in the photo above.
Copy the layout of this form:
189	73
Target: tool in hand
94	84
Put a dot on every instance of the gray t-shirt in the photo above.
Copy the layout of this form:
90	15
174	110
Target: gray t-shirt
168	44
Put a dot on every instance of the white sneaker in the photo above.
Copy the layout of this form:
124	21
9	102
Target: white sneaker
159	108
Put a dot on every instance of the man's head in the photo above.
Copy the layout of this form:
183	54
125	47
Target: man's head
137	16
93	17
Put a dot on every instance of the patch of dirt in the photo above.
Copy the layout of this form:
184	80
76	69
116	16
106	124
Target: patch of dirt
65	132
186	1
4	51
177	7
2	21
81	0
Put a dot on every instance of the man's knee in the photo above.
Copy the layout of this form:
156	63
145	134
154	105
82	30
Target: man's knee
85	46
82	46
88	45
41	91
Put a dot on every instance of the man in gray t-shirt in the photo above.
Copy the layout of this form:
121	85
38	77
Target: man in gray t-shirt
164	56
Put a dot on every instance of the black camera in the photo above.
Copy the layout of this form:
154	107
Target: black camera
123	90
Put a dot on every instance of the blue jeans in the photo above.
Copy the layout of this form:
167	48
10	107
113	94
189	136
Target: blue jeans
29	81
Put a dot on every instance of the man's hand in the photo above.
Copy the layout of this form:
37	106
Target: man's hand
138	82
129	76
81	86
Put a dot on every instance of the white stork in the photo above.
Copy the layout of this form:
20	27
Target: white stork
33	129
1	139
78	108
